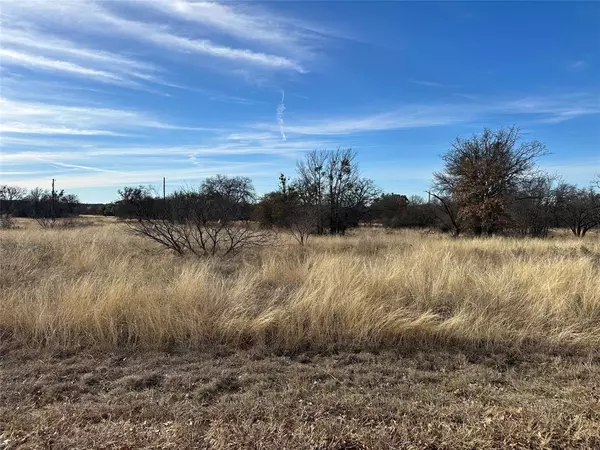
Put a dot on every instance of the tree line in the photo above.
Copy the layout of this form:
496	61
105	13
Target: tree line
41	204
490	184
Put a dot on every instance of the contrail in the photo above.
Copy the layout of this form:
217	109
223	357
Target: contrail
280	111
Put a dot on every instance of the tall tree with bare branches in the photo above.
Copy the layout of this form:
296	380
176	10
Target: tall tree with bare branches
330	181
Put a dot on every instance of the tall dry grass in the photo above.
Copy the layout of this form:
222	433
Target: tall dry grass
100	286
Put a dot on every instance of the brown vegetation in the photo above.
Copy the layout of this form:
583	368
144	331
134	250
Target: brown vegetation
374	340
100	286
251	400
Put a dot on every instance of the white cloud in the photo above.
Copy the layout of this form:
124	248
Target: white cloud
26	149
240	21
42	51
553	109
537	109
10	57
79	164
186	45
44	118
69	180
96	18
23	128
46	43
416	116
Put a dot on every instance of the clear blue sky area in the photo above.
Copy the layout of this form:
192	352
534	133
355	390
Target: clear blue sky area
99	95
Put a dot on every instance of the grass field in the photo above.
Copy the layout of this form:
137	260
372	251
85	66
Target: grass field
374	340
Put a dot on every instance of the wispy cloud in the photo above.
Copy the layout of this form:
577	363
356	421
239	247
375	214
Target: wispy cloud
12	57
44	118
236	99
60	150
243	22
24	128
28	47
578	66
553	109
68	180
429	83
416	116
81	167
62	60
83	164
187	45
97	18
47	43
536	109
250	136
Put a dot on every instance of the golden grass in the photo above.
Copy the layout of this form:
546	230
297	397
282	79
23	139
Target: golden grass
100	286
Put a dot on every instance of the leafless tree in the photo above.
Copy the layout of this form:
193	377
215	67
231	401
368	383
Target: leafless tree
450	216
342	178
302	222
578	209
357	203
330	182
203	223
533	208
311	183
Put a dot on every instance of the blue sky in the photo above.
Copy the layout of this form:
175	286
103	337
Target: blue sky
100	95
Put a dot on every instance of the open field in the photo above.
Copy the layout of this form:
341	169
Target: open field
377	340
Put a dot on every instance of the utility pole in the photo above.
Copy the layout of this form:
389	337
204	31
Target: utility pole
164	189
53	196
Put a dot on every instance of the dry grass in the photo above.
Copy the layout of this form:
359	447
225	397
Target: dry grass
373	341
102	287
345	401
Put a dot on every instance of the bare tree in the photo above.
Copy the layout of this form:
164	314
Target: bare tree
312	183
331	183
533	208
451	213
9	195
207	222
341	179
303	222
578	209
357	203
482	173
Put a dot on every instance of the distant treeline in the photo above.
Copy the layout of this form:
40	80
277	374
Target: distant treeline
36	203
490	185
